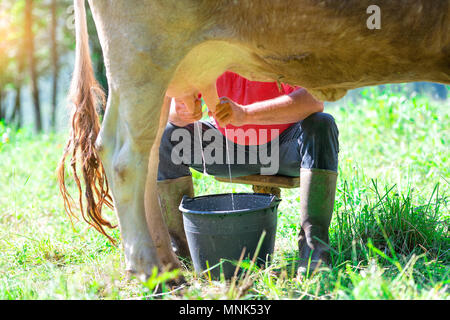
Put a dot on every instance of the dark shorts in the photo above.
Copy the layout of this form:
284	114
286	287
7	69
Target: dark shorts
310	143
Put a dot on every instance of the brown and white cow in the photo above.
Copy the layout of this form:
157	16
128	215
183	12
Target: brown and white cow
154	47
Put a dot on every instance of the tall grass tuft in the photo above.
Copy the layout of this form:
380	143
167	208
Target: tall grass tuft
392	222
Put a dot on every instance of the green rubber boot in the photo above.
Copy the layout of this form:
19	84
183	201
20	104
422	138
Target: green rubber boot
317	193
170	193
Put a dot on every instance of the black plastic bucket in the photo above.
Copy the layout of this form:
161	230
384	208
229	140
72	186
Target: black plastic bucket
217	232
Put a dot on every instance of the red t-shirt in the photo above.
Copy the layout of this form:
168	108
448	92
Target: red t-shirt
245	92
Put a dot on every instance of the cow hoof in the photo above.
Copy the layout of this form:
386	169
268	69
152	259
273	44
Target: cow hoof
140	260
130	274
176	282
169	285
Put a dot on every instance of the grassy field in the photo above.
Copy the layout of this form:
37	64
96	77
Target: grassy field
389	233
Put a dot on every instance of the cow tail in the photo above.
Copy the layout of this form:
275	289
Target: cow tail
84	96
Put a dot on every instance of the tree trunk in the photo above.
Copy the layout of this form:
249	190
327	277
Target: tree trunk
33	73
16	116
1	105
21	57
55	64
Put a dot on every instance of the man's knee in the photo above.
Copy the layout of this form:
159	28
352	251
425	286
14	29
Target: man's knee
168	131
166	145
170	163
321	122
320	142
172	135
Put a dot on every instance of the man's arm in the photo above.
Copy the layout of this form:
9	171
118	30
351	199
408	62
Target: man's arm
290	108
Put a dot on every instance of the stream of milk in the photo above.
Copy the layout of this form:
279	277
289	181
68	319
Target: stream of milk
199	131
229	166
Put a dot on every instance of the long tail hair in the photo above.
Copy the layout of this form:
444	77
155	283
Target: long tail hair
85	94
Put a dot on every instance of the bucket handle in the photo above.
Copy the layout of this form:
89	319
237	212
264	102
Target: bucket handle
275	199
184	200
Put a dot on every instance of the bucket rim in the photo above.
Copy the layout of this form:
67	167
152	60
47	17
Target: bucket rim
274	201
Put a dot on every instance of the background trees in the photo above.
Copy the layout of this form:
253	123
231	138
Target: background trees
36	57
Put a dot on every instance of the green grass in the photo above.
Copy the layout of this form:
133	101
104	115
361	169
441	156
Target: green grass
389	232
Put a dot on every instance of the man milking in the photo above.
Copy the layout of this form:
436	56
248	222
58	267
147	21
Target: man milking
271	129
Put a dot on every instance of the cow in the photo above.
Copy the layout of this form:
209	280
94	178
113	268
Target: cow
155	50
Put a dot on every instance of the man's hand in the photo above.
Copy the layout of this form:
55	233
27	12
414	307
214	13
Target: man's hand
229	112
181	116
187	116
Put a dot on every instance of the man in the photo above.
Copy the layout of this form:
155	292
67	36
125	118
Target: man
289	124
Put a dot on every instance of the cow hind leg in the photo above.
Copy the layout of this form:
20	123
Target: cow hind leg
139	65
129	131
